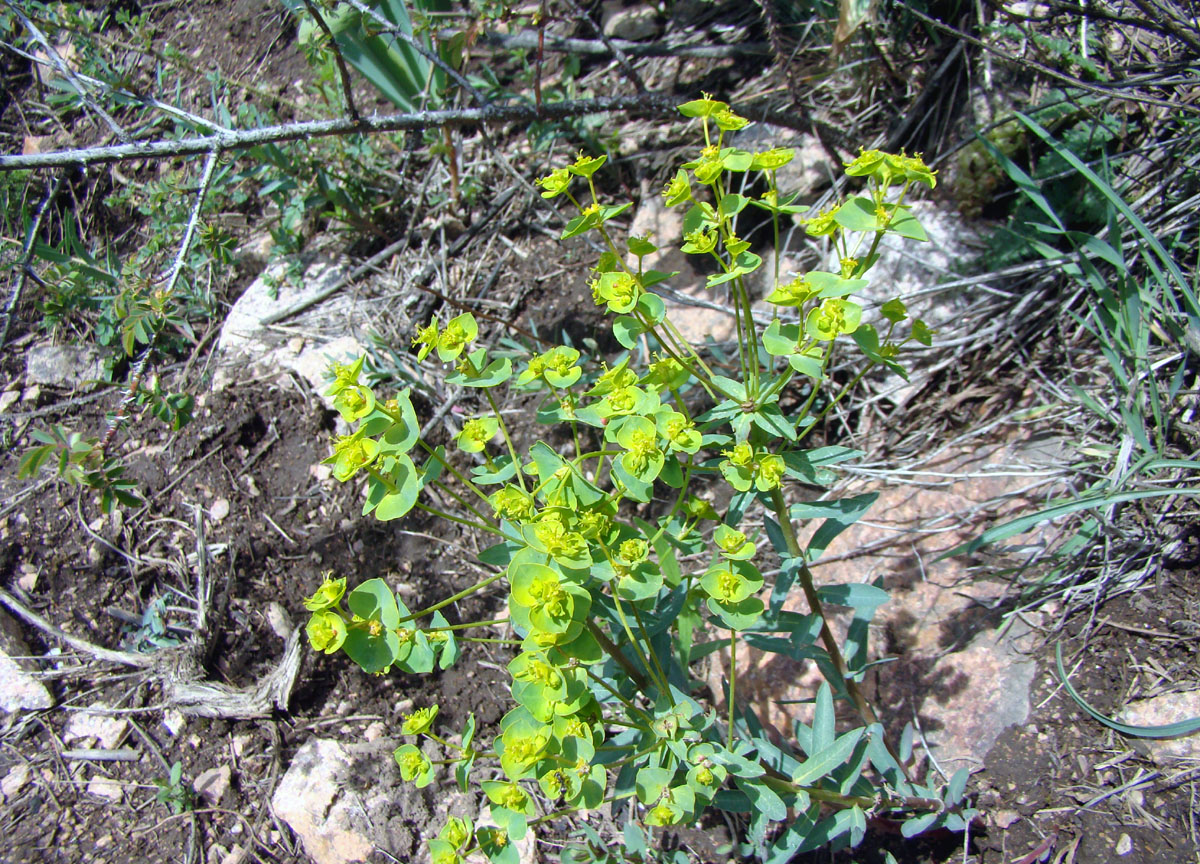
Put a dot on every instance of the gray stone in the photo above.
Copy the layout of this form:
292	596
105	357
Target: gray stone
997	672
309	799
106	788
107	731
246	347
345	800
213	785
1161	711
697	312
631	23
811	167
63	366
14	781
19	690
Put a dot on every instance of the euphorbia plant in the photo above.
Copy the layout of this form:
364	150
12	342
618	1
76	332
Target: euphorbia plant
608	621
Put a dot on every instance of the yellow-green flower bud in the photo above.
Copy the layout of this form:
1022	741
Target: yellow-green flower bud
326	631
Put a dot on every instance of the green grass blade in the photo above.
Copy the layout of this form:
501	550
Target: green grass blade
1169	730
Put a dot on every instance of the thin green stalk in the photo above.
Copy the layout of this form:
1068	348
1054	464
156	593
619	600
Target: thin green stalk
657	666
825	411
432	451
441	514
486	640
468	625
437	484
512	451
865	711
614	652
617	695
732	682
637	646
454	598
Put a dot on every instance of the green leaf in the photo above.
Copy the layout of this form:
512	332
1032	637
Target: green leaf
1168	730
746	262
823	725
906	225
858	214
626	329
839	515
405	477
373	600
764	799
781	339
651	782
857	595
821	763
1028	521
917	824
492	375
732	204
737	616
957	786
833	285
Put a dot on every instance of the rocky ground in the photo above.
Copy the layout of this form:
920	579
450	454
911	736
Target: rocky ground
284	754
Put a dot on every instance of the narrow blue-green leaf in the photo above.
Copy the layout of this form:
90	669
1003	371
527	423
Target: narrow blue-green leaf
1169	730
839	515
1024	523
1148	236
824	732
826	760
916	825
764	800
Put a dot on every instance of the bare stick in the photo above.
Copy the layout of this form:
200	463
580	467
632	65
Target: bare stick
425	272
615	49
343	73
564	45
139	366
652	103
67	73
26	259
149	101
124	658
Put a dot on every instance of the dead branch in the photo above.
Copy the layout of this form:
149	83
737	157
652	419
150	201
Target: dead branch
647	103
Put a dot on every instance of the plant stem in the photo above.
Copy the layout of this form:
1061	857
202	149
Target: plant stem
657	666
732	682
454	598
512	451
865	711
614	652
433	511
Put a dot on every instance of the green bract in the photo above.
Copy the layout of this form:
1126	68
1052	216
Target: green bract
327	595
458	334
326	631
615	584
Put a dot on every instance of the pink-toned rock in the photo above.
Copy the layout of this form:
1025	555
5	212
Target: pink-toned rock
213	785
1161	711
332	828
690	305
963	682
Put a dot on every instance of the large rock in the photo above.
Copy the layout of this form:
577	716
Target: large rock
963	680
630	23
343	801
309	799
697	312
247	348
1162	711
19	690
71	366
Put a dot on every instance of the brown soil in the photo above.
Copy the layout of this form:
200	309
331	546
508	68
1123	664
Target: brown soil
249	453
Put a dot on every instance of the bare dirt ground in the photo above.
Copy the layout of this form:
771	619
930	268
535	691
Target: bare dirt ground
1058	788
